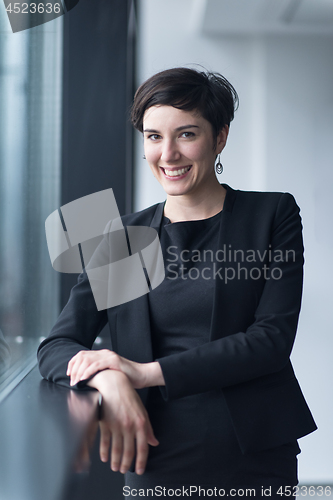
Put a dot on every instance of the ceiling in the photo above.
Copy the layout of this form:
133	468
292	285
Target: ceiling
225	17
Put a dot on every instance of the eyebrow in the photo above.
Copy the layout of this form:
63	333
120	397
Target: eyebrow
178	129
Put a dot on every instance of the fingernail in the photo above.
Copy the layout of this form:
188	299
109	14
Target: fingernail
140	471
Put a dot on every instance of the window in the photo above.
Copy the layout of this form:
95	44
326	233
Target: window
30	154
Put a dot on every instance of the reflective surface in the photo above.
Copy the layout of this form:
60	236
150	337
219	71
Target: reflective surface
46	433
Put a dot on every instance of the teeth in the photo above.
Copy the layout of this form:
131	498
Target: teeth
174	173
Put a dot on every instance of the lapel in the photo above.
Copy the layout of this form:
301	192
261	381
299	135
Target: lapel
221	305
133	317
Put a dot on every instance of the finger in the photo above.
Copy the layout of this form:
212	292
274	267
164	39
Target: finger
74	369
74	362
116	451
128	452
104	443
151	439
79	366
70	364
93	368
142	450
88	363
84	360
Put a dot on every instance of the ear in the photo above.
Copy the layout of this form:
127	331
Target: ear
222	139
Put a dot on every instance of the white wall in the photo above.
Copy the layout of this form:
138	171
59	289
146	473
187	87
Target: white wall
280	141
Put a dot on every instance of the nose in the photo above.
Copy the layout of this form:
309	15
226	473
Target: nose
170	151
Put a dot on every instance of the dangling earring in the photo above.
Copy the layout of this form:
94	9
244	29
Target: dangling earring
219	166
144	157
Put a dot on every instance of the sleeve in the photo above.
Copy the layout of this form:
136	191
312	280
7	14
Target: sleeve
265	346
75	330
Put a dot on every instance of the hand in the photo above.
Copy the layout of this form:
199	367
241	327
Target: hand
87	363
124	423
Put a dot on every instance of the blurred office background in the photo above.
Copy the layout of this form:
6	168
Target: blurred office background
278	55
65	91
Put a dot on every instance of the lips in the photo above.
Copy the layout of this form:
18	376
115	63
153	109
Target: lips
176	173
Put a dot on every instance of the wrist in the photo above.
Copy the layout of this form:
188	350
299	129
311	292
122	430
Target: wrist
153	374
106	380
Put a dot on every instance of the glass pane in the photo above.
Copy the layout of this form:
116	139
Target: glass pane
30	150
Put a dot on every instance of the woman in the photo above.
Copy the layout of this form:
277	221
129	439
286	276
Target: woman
212	342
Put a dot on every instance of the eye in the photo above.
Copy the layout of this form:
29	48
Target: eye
154	137
187	134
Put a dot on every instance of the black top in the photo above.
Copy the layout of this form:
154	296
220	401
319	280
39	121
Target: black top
181	307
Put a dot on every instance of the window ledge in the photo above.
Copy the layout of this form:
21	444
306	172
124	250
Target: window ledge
43	435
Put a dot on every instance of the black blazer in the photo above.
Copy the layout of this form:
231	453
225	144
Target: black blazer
253	325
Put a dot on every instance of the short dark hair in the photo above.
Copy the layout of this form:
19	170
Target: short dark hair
209	93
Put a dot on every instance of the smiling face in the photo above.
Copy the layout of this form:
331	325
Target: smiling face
179	148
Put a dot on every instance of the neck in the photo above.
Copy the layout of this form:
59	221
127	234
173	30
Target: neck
189	207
